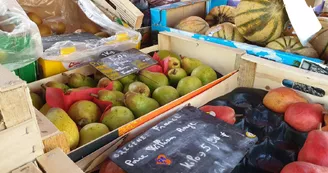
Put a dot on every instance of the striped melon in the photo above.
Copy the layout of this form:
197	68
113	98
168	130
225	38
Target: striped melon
260	21
226	31
193	24
221	14
320	43
293	45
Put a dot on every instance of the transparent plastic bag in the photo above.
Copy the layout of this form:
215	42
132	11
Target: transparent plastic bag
75	13
20	40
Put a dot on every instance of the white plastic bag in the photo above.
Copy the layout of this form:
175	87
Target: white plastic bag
20	40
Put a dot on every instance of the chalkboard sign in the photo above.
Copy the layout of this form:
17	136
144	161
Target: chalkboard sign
190	141
118	65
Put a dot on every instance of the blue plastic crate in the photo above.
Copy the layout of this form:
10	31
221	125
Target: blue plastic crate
160	20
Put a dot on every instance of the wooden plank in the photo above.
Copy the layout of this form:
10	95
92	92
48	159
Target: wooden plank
51	136
270	75
206	51
19	145
150	49
28	168
247	72
123	9
93	160
56	161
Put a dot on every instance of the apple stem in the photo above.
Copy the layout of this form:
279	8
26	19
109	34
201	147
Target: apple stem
238	115
94	95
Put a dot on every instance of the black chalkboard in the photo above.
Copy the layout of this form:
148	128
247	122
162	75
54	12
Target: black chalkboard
190	141
120	64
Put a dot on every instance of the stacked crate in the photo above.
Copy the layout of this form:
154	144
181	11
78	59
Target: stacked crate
19	132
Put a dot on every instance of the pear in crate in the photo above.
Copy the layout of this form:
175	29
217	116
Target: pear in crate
128	79
188	84
59	85
165	94
91	132
153	79
304	117
76	80
175	75
279	99
189	64
65	124
37	101
116	97
165	53
205	73
172	62
103	83
303	167
117	116
45	108
139	87
84	112
139	104
315	148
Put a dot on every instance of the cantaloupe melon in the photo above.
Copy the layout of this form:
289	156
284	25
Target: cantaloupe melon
226	31
293	45
193	24
260	21
221	14
320	43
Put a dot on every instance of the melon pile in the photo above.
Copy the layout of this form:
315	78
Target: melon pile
260	22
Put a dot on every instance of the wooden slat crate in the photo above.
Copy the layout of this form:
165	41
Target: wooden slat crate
121	8
19	132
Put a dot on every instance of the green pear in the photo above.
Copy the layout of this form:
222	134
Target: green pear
117	116
76	80
103	83
173	62
65	124
126	88
139	87
189	64
205	73
84	112
175	75
153	79
140	105
37	101
128	79
165	53
116	97
59	85
45	108
91	132
188	84
165	94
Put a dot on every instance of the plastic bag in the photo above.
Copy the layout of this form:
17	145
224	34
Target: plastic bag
74	13
19	37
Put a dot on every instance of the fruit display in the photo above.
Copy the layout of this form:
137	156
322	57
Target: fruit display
263	23
87	107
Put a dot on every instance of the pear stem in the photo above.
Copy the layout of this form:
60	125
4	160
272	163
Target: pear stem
94	95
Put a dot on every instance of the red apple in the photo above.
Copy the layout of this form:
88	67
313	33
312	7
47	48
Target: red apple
224	113
304	117
303	167
315	148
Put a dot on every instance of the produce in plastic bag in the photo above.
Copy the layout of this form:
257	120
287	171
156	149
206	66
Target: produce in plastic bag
19	37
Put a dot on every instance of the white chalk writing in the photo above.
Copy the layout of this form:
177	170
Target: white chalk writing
189	126
135	161
158	144
192	161
160	127
125	149
224	135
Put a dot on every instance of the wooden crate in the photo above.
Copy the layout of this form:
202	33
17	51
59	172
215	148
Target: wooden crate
19	132
208	53
252	72
123	9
